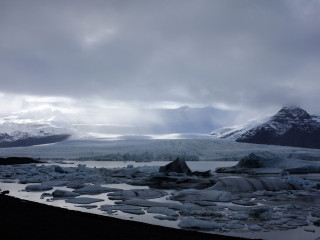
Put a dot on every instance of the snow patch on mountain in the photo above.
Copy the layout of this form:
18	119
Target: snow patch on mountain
291	126
234	132
32	128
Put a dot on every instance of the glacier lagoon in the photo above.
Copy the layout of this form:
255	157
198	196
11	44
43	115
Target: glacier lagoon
285	213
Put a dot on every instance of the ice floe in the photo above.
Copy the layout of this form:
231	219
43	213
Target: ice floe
204	195
163	210
37	188
148	203
136	193
123	208
264	163
64	194
94	189
193	223
84	200
245	184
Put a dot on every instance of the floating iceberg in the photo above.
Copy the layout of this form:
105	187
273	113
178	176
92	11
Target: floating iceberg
136	193
94	190
84	200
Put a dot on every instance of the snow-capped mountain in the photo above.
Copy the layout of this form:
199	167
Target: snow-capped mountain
291	126
48	124
19	130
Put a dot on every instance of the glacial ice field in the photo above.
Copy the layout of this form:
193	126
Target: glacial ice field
268	201
155	148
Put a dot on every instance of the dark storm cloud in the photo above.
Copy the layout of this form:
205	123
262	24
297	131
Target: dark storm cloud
237	53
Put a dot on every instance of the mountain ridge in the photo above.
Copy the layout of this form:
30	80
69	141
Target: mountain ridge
291	126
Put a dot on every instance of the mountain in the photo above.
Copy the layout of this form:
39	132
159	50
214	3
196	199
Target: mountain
47	125
291	126
19	131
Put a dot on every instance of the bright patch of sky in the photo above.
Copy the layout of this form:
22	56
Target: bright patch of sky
109	61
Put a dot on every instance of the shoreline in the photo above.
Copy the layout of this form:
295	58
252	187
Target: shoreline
30	220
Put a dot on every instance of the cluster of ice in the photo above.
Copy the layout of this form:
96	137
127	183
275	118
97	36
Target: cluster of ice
94	189
84	200
266	163
123	208
136	193
204	195
219	203
246	184
64	194
38	188
163	210
191	223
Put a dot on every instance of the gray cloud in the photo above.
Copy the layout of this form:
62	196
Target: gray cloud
243	54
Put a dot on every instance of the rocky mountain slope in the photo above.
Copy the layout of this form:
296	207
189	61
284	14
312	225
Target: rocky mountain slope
291	126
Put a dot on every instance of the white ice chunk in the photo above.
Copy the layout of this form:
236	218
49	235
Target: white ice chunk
84	200
64	194
163	210
37	188
191	222
148	203
136	193
204	195
87	206
309	229
255	227
54	183
241	184
123	208
94	189
205	203
240	216
168	218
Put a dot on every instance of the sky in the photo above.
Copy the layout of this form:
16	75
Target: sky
118	57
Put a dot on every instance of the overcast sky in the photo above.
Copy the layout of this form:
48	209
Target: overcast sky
245	55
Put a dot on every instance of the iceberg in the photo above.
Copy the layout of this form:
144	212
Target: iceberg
204	195
136	193
255	164
245	184
94	190
38	188
84	200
